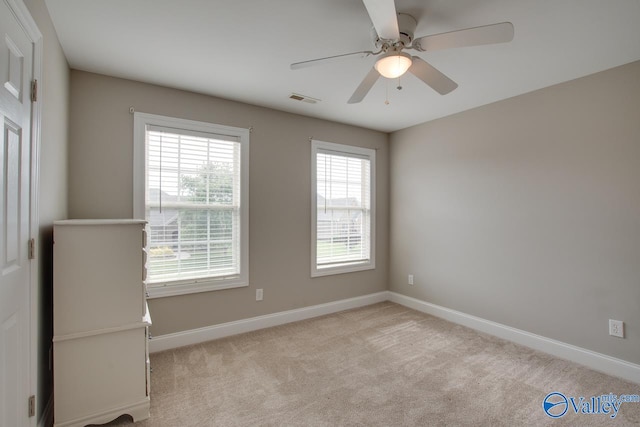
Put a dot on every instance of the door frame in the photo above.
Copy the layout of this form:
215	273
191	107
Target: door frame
27	22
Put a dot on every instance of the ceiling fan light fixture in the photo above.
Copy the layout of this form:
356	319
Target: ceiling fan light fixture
393	64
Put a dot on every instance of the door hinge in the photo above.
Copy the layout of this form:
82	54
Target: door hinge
34	91
32	248
32	406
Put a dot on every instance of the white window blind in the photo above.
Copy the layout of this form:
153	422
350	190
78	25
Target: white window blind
194	180
343	207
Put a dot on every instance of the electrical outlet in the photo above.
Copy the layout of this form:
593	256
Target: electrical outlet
616	328
410	281
258	294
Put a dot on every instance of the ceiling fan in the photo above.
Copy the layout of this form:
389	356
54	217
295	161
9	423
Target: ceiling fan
393	34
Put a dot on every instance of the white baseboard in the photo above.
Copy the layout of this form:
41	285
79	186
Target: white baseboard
208	333
597	361
47	415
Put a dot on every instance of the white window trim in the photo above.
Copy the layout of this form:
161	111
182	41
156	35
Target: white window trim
347	267
181	287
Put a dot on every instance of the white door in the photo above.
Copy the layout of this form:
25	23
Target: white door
16	70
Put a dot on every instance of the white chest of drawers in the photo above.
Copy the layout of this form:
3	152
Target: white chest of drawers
100	322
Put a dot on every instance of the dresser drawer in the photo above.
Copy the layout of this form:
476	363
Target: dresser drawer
99	373
97	273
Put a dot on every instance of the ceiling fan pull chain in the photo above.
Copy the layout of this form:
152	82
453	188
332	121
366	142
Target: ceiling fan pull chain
386	90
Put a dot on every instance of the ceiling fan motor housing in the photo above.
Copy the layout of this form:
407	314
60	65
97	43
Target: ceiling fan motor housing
406	26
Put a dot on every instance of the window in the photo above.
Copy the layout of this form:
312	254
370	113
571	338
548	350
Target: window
191	185
342	213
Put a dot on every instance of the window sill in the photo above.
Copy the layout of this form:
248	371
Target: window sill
342	268
175	289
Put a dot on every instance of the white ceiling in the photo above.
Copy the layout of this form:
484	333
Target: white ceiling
241	50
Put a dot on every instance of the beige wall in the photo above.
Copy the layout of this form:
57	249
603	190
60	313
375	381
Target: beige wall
100	186
527	211
54	99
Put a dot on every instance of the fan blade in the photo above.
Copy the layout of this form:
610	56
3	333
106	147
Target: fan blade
329	59
384	18
431	76
364	87
488	34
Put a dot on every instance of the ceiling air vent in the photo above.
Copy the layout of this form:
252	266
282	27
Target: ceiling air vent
303	98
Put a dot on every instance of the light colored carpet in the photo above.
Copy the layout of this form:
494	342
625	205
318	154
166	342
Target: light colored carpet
381	365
